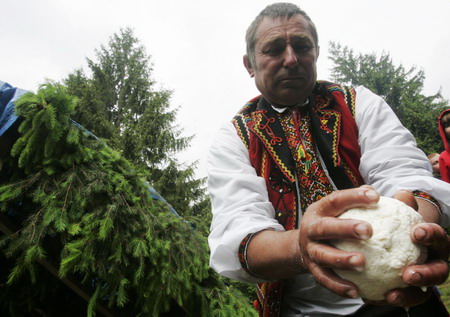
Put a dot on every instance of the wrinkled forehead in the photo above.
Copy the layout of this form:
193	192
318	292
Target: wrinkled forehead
272	29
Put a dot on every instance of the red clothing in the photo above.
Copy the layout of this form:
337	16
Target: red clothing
444	158
271	154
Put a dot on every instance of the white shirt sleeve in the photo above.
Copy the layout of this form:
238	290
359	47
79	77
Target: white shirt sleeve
390	160
240	203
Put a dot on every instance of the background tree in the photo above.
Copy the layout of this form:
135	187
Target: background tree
83	209
119	102
401	88
74	207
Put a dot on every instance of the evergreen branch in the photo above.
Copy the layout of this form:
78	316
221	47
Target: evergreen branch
86	205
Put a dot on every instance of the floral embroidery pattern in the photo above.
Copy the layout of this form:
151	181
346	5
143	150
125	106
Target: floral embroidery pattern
313	182
274	140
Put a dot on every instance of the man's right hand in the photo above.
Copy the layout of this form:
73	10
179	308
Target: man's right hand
319	224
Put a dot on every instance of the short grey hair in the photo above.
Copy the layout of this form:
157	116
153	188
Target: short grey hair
276	10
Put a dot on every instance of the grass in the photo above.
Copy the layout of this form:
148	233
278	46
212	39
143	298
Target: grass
445	292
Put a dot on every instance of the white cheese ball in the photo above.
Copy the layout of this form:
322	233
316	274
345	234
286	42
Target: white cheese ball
387	252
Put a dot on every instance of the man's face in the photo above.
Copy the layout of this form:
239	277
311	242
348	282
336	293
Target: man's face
435	164
446	125
285	60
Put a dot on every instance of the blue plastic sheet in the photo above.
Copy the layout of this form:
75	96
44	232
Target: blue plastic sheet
8	94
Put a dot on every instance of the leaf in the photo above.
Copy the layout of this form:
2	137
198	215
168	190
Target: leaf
106	225
61	221
122	293
91	310
73	135
74	229
16	272
139	248
34	253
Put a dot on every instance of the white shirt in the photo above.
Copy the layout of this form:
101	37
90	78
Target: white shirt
390	161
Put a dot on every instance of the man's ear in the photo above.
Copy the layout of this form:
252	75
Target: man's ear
248	65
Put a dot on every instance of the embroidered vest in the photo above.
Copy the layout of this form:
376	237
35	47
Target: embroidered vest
331	110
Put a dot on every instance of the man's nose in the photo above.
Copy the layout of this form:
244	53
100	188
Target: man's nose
290	59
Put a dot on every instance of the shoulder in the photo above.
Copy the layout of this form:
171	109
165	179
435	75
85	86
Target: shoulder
369	104
326	88
242	119
364	93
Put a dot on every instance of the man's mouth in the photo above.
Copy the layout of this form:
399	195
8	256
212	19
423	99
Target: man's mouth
291	78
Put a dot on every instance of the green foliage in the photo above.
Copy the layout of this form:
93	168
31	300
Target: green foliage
119	103
445	293
401	88
80	204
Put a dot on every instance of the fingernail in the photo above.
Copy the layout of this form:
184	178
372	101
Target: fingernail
420	234
362	231
372	195
398	300
415	278
352	293
355	261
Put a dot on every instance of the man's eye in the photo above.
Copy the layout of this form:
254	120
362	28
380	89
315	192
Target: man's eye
302	48
273	51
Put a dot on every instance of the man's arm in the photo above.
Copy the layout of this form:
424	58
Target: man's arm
278	255
240	203
268	256
275	255
390	159
429	212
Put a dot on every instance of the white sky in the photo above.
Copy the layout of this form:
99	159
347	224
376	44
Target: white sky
197	46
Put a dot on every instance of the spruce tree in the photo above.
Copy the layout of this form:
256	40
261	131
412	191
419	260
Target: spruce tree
119	102
74	204
401	88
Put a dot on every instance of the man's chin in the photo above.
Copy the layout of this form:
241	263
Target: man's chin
293	99
289	103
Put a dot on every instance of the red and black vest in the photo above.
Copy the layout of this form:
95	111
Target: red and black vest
331	111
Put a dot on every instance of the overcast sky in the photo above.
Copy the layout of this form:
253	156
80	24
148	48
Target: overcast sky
197	46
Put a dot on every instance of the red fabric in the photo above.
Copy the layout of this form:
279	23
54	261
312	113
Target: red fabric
282	194
444	158
444	166
349	153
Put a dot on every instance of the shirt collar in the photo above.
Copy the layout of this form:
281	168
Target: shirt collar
281	110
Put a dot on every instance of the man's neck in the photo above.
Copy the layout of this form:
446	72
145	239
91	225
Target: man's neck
281	108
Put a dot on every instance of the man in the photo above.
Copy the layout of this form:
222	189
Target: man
434	161
444	158
275	171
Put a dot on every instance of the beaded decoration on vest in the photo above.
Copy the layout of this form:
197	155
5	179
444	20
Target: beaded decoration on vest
312	181
282	159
